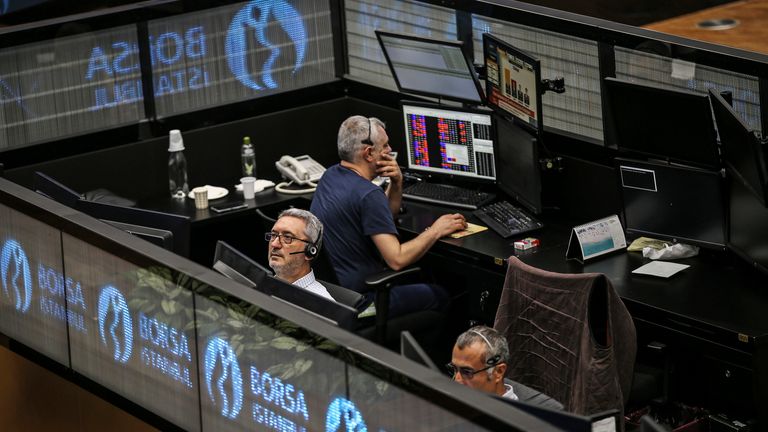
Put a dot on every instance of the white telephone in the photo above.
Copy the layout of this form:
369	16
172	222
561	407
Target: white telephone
301	170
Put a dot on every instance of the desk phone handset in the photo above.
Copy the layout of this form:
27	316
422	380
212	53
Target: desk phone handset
302	170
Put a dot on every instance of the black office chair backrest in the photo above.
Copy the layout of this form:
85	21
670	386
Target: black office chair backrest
344	295
324	268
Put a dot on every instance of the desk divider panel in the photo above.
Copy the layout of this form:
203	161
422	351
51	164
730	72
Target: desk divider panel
202	352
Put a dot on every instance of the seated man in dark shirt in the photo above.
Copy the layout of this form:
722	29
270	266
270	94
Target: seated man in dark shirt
360	234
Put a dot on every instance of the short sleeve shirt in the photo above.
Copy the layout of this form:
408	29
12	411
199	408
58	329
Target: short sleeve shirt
352	209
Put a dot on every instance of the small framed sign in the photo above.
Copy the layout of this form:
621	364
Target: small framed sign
596	238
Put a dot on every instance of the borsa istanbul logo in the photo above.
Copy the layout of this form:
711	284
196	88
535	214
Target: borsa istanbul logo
179	58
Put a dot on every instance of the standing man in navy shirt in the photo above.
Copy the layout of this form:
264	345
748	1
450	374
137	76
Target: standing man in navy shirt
360	234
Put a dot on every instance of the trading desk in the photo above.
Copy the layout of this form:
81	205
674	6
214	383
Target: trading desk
712	316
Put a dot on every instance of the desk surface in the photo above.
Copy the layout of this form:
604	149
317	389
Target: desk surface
750	34
717	298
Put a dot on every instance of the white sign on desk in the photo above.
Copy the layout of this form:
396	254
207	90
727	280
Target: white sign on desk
596	238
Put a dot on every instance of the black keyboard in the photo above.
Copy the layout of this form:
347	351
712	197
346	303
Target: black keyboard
453	196
507	219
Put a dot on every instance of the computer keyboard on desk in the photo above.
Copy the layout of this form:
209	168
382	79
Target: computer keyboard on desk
448	195
507	219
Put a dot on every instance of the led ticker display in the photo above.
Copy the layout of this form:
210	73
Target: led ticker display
64	86
140	337
240	51
33	289
256	377
92	81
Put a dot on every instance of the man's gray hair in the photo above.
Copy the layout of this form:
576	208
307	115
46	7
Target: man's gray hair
313	227
494	342
353	132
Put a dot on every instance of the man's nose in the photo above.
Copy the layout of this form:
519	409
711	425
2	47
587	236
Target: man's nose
275	242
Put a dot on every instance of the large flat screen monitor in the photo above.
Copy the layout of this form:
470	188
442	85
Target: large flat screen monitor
430	67
512	82
237	266
677	203
673	125
157	236
449	141
176	224
742	150
519	174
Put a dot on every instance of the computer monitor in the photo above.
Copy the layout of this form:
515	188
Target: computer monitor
412	350
519	174
176	224
512	82
430	67
747	225
156	236
448	141
55	190
237	266
678	203
672	125
742	149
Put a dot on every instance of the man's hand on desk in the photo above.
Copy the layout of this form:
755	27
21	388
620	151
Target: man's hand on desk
448	224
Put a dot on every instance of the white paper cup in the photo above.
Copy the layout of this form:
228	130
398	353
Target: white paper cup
201	197
249	184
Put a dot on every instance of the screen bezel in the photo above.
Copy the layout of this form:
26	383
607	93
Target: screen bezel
724	112
662	93
620	162
453	175
438	42
512	131
539	127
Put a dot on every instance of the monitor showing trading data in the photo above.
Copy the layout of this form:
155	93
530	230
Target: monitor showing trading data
512	82
450	141
430	67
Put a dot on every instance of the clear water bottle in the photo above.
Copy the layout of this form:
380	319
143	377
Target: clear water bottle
177	166
248	158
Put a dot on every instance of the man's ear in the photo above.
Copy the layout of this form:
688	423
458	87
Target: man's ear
499	371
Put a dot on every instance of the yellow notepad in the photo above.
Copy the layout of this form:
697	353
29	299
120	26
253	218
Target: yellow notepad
471	229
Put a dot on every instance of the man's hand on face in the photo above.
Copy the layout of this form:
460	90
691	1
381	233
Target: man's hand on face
387	167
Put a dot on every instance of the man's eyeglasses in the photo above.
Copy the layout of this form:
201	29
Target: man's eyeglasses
284	238
466	372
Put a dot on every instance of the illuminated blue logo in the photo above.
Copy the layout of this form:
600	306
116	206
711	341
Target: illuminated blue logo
218	352
255	17
16	277
114	313
343	415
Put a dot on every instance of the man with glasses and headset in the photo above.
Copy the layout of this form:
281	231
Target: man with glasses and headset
359	217
294	242
479	361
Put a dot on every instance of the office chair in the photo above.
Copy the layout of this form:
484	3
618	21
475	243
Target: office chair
383	330
570	336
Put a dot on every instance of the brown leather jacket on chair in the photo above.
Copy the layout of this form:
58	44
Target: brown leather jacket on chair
570	336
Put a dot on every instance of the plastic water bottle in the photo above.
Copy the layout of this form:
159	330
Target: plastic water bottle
248	158
177	166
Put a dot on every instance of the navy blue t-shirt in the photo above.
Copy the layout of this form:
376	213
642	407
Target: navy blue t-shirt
352	209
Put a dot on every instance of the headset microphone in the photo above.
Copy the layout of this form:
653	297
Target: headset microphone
296	253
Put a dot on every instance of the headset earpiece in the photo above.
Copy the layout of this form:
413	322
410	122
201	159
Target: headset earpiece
310	251
493	361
